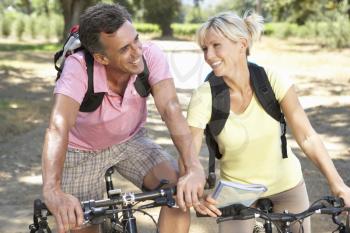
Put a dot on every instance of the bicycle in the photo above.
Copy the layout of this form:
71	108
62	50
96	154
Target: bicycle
115	214
283	221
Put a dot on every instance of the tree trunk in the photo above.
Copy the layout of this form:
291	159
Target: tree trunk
72	10
27	6
258	7
166	30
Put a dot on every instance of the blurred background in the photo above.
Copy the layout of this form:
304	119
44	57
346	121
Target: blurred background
307	40
324	21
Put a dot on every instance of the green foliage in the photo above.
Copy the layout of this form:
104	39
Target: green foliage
7	22
147	28
5	27
194	16
20	27
185	29
302	11
58	22
281	30
32	28
333	34
237	6
161	12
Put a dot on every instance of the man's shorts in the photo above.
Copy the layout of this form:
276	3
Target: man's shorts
84	171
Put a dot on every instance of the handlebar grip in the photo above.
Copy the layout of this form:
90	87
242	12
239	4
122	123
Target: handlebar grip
331	210
227	211
199	215
232	210
37	207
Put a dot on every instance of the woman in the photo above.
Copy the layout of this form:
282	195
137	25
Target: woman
250	140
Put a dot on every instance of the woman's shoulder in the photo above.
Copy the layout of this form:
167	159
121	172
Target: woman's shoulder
203	88
280	81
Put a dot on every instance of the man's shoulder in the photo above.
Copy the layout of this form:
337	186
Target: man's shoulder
152	51
74	60
148	45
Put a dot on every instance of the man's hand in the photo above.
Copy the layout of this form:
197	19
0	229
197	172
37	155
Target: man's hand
190	187
65	208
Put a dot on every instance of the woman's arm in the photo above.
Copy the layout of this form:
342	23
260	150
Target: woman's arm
311	144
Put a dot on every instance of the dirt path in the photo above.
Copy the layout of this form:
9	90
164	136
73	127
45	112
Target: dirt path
26	80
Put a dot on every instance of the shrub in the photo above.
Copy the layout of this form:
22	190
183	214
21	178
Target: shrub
5	27
147	28
281	30
32	28
185	29
20	27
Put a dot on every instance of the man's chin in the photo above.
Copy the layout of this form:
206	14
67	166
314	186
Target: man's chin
137	70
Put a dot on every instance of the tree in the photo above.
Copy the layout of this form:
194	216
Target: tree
300	11
72	9
237	6
161	12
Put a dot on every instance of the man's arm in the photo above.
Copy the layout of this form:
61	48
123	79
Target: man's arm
64	207
191	183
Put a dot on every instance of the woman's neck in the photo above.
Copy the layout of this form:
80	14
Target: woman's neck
238	80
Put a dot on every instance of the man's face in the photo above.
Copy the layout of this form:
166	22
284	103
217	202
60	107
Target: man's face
123	50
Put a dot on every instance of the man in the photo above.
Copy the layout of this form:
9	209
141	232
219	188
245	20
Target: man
80	146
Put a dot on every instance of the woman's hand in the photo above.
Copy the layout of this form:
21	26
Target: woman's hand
343	191
207	207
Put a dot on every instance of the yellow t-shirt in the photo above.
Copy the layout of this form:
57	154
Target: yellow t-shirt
250	142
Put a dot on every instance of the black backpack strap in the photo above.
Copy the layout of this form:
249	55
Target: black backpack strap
141	83
220	111
267	99
91	100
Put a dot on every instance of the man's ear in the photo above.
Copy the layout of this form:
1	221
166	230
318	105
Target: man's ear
100	58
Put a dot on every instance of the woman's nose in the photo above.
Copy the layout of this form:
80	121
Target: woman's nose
209	54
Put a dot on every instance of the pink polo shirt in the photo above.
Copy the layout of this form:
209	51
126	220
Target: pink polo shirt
118	118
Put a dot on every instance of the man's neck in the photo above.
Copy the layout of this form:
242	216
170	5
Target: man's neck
117	81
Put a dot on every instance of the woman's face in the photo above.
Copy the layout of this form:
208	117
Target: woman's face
222	54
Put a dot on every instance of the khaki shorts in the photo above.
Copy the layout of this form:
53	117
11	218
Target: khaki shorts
84	171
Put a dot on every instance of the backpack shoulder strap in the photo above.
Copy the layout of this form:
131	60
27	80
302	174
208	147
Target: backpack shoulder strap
267	99
263	91
220	111
91	100
141	83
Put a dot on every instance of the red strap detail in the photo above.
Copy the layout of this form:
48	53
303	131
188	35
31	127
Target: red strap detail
75	28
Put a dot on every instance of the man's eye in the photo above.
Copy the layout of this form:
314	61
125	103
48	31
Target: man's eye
124	49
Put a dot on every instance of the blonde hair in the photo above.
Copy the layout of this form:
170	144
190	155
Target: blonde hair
233	27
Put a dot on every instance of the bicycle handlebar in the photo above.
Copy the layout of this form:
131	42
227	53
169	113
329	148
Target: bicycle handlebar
328	205
94	208
238	211
131	198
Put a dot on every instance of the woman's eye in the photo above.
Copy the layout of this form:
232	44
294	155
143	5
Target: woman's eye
204	49
216	45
